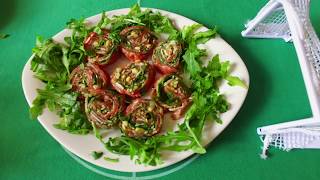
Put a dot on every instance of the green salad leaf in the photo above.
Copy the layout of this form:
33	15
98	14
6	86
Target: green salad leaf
235	81
114	160
147	151
96	155
52	63
153	20
4	36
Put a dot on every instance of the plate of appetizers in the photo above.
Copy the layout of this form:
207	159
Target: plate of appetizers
134	89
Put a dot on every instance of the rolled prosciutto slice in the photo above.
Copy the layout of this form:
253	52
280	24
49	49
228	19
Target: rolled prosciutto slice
133	79
137	42
144	119
101	48
171	93
166	56
104	107
89	76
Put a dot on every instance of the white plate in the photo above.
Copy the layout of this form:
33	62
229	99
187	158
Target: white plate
82	146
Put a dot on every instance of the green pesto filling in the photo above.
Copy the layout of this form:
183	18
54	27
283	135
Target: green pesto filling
90	108
103	49
138	47
168	98
133	77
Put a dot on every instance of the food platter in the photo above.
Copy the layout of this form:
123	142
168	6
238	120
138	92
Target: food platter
83	145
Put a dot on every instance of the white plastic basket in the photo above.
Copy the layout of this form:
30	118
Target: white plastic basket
289	20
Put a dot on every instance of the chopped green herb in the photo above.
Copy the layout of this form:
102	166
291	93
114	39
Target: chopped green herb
114	160
3	36
96	155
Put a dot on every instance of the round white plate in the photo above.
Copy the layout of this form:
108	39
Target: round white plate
83	145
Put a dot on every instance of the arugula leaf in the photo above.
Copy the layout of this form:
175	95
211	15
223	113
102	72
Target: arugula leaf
74	120
147	151
77	24
153	20
65	59
208	103
114	160
191	59
202	37
96	132
187	32
134	10
38	105
103	23
52	64
222	70
192	55
65	103
4	36
47	63
96	155
235	81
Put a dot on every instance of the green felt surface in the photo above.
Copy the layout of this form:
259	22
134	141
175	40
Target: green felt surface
276	94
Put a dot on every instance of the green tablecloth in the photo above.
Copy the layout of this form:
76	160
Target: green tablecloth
276	93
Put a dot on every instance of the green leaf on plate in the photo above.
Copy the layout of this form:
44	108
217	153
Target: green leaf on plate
96	155
114	160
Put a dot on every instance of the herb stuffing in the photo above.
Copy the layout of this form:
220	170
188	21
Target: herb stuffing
76	85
